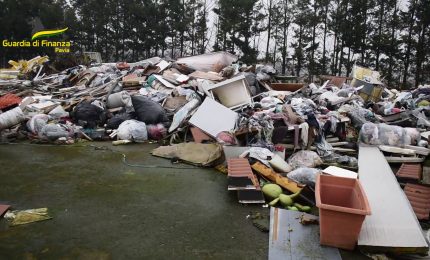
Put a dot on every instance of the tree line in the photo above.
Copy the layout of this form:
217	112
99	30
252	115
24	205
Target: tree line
304	38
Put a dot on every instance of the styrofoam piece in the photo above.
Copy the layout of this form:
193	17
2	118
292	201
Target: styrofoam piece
212	118
339	172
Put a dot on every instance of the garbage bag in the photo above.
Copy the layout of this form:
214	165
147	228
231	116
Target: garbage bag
304	175
383	134
305	158
88	115
324	148
54	131
37	122
342	159
58	112
148	111
279	164
116	120
11	118
120	99
132	130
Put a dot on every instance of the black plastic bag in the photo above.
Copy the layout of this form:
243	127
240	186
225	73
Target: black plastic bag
148	111
88	115
116	120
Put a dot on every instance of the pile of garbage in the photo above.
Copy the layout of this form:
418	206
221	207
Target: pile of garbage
211	98
272	137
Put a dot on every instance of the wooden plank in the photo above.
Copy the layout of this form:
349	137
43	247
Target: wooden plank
418	149
339	144
277	178
313	148
289	239
394	159
395	149
392	226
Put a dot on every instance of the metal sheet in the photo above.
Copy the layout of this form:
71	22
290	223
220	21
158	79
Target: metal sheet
288	239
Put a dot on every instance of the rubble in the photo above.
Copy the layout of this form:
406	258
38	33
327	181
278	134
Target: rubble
283	133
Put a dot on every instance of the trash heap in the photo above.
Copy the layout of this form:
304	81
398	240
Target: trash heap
272	137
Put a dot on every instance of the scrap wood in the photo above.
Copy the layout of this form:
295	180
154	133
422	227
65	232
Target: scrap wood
400	159
313	148
275	177
394	149
418	149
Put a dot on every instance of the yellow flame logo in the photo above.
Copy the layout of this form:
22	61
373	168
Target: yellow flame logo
47	33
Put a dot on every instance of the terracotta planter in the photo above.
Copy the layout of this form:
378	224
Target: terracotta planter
342	207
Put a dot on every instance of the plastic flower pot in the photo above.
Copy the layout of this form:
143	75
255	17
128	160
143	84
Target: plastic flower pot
342	207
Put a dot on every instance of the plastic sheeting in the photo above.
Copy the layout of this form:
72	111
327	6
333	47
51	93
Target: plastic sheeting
37	122
304	175
383	134
215	61
305	158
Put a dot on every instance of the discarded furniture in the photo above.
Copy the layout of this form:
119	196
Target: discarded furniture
232	93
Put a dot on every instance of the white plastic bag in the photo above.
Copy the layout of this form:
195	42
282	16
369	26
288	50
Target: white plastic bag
305	158
304	175
132	130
